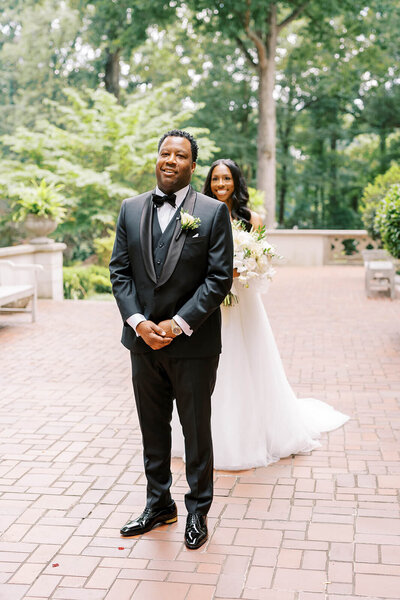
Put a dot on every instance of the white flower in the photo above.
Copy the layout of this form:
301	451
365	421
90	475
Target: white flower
251	264
188	221
252	257
263	261
243	280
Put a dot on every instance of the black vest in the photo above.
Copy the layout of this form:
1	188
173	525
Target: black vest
161	240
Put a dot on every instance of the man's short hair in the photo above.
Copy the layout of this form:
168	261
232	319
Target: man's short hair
184	134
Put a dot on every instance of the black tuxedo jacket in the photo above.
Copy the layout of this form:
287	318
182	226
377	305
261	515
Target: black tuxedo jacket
196	276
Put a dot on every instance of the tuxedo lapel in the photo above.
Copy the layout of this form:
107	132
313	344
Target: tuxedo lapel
146	227
177	241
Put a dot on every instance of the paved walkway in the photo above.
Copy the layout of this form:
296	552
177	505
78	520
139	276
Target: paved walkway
319	527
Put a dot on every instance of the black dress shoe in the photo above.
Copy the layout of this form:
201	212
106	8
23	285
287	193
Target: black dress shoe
196	533
150	518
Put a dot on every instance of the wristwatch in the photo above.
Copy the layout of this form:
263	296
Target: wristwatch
176	330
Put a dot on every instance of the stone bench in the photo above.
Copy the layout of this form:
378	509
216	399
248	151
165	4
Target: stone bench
380	271
18	287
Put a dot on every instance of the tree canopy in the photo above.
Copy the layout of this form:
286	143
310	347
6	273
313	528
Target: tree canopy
98	153
306	91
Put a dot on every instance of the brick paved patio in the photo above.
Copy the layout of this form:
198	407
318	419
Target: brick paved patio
319	527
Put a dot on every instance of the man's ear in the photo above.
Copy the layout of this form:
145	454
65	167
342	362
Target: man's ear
193	166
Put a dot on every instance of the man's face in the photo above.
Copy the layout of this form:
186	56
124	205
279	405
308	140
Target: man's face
174	166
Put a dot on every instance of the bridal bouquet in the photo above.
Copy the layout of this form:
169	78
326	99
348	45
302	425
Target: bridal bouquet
251	259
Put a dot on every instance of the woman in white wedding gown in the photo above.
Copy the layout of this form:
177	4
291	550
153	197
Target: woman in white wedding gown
256	417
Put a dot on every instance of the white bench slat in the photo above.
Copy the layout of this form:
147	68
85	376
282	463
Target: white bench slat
380	265
379	272
10	293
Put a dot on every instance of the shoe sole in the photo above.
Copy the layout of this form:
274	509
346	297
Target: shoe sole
166	522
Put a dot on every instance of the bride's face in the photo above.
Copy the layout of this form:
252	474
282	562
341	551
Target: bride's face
222	185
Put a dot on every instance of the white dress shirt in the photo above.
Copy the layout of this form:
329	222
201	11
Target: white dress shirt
165	214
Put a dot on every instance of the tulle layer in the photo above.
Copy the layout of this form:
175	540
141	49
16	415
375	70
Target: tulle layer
256	417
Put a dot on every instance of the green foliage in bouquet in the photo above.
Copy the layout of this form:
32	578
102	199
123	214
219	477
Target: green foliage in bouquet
372	197
387	221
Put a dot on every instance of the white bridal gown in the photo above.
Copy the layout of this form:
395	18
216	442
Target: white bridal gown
256	417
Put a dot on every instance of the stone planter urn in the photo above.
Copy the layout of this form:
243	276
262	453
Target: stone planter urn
39	228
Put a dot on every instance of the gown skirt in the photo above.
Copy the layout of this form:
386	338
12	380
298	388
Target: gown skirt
256	417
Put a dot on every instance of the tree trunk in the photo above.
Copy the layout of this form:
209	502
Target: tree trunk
282	196
318	213
112	73
382	148
285	128
333	192
266	139
284	182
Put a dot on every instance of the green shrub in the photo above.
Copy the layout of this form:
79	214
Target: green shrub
101	284
80	281
373	195
76	282
103	247
387	221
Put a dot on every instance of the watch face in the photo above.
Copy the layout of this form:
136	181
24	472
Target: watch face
176	330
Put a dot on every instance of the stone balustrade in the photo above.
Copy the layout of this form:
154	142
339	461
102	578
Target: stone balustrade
303	247
50	256
317	247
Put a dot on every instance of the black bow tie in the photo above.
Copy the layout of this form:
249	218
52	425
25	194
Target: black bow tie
160	200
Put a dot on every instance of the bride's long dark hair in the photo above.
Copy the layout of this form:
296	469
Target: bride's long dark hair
240	196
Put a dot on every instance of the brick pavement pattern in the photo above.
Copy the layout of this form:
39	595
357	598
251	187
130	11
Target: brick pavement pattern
323	526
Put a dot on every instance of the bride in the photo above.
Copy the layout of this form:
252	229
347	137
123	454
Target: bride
256	417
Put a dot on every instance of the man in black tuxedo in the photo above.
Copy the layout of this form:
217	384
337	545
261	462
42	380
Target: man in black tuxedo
168	280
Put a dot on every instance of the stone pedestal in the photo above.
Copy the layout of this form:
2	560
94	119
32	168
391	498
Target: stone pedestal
50	256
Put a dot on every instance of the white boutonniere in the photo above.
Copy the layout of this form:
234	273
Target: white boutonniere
188	221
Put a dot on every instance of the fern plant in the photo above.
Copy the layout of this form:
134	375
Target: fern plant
42	200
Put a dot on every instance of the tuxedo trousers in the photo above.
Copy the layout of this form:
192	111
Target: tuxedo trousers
158	379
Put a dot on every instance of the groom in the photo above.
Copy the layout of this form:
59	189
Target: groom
171	268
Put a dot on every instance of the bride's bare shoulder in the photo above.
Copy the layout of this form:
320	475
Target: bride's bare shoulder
256	220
